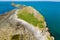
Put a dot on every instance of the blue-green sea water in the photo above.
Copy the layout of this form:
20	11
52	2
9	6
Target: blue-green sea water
50	10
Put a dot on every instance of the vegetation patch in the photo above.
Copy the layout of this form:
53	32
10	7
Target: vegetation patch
29	17
15	37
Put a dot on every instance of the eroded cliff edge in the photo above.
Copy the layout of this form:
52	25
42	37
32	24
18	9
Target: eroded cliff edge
23	24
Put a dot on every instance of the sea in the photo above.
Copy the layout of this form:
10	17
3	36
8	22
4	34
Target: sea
50	11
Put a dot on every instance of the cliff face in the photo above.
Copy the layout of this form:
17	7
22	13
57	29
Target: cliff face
9	30
23	24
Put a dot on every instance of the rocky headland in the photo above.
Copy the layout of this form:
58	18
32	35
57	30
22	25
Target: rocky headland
23	24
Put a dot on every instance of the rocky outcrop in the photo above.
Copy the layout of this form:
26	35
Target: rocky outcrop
14	27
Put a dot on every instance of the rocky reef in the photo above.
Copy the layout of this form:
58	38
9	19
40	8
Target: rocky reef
23	24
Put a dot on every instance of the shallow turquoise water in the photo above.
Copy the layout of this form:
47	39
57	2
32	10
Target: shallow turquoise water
50	10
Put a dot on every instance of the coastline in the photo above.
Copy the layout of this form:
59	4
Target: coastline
46	29
39	34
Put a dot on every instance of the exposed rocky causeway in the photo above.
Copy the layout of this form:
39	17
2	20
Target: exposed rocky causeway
23	24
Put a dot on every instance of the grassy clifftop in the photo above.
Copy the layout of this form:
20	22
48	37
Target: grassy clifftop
32	16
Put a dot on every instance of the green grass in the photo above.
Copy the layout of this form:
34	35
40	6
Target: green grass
49	38
30	18
15	37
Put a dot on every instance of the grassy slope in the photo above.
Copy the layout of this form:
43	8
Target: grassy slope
29	17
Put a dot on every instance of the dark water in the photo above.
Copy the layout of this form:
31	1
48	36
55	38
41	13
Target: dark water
50	10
